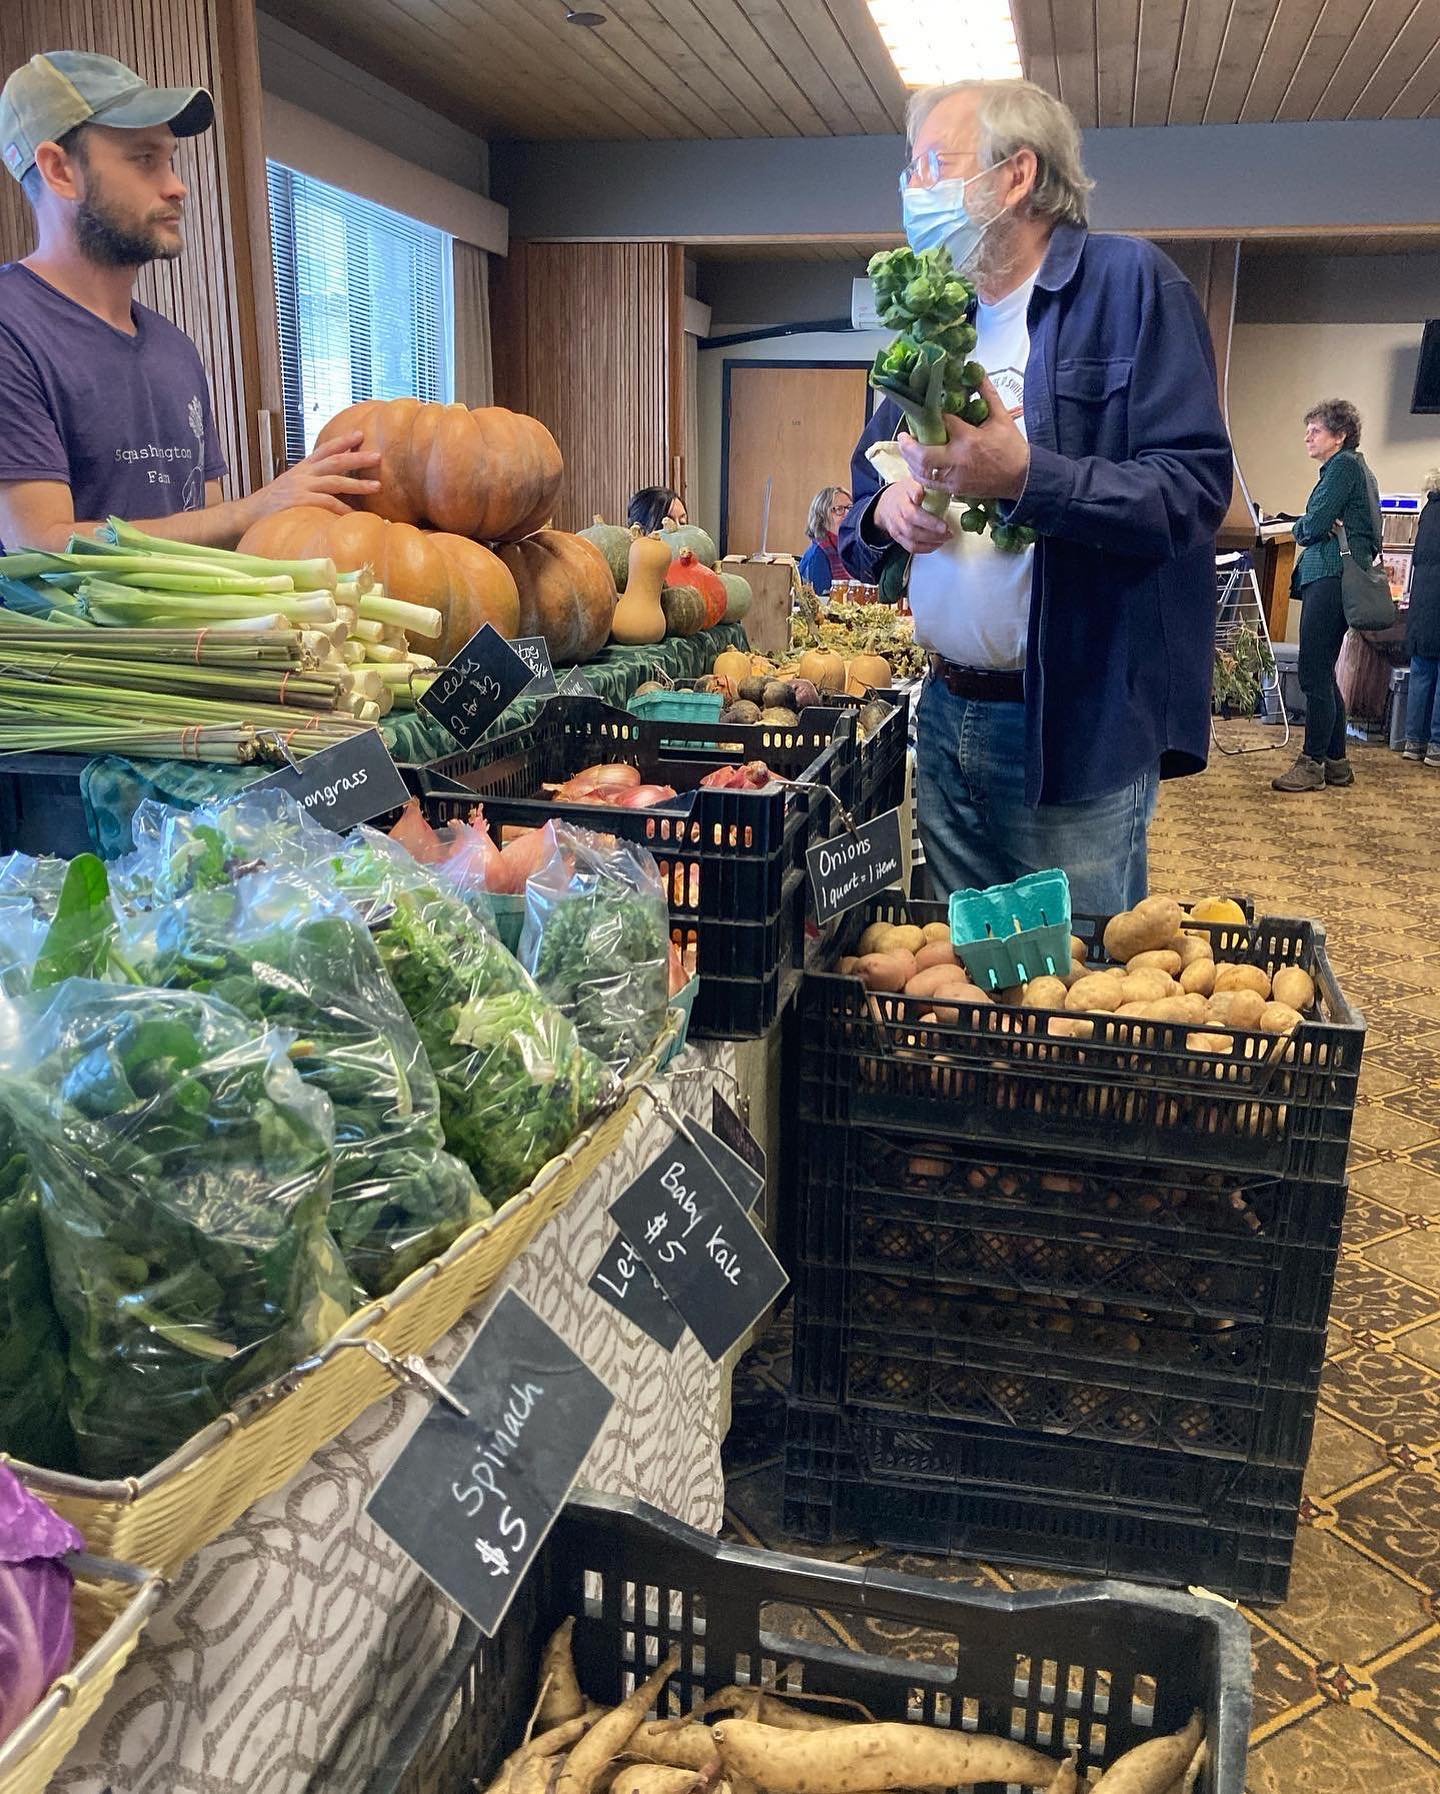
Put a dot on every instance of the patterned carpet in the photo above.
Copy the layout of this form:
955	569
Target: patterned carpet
1347	1672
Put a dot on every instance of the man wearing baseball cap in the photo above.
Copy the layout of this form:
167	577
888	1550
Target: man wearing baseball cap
105	404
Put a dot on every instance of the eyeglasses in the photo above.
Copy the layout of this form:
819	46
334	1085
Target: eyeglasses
928	170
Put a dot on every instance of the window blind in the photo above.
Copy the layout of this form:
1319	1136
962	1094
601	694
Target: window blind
362	296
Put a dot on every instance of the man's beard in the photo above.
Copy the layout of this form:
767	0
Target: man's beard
110	242
996	256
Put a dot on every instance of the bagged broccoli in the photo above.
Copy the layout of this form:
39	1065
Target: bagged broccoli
287	950
33	1422
597	942
516	1084
183	1171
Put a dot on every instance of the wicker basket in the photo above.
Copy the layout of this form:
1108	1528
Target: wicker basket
165	1516
112	1603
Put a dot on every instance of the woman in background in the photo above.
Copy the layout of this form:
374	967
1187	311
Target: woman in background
653	507
1345	494
1422	712
820	565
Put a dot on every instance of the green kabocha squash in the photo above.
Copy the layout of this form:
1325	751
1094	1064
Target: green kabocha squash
684	610
613	540
681	536
737	596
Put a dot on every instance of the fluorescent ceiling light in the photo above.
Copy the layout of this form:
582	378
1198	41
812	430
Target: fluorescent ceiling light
933	41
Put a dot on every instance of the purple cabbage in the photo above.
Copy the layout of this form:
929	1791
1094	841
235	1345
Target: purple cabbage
37	1627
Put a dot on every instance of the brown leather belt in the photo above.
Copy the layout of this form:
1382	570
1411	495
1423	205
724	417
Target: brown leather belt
982	684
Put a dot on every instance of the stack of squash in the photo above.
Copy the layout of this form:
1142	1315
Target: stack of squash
669	582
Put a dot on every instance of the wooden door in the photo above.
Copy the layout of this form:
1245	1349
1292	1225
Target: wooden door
221	290
792	423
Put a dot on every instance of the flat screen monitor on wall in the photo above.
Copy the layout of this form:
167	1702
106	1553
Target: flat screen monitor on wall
1427	374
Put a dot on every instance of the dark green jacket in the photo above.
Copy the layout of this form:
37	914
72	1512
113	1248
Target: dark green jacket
1342	494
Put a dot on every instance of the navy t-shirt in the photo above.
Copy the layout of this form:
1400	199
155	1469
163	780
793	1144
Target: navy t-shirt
125	421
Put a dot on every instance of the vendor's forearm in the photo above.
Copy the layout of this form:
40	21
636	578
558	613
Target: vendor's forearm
217	526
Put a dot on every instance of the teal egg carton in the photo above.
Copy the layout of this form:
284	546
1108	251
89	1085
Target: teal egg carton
677	706
1012	933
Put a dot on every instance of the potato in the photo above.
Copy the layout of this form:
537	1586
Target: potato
1044	993
1199	975
1295	986
1156	959
902	934
1233	977
882	971
1070	1027
935	953
1147	987
1012	996
1100	991
1150	924
1279	1018
872	937
847	965
857	1759
933	979
1235	1008
936	931
1183	1009
1193	947
1204	1042
1079	950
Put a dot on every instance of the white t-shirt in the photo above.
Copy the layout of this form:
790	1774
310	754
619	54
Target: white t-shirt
971	601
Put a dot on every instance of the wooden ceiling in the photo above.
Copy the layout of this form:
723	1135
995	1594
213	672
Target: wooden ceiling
814	68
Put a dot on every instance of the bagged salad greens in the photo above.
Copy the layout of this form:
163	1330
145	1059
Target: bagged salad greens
33	1421
516	1084
183	1172
179	851
597	941
288	951
29	893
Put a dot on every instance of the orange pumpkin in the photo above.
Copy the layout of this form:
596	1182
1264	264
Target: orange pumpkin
567	593
490	473
686	570
467	584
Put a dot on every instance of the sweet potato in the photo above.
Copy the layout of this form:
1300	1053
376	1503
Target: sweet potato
1045	993
690	1746
653	1778
1099	991
1295	986
1156	959
561	1699
1233	977
882	971
611	1732
1199	975
858	1759
935	953
1235	1008
1066	1779
1151	1767
1150	924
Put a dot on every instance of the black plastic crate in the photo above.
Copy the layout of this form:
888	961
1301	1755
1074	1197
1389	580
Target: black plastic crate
41	807
733	863
1097	1668
1052	1504
1134	1093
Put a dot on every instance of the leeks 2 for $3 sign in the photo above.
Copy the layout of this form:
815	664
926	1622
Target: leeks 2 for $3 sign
484	678
856	864
471	1499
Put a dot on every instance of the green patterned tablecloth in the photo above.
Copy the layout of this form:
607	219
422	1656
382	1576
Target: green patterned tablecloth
113	788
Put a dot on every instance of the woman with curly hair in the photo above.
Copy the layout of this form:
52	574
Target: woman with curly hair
1345	497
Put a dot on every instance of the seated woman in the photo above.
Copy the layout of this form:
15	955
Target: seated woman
820	565
653	506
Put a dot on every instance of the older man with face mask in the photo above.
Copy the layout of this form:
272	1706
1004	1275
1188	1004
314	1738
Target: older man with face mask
1066	679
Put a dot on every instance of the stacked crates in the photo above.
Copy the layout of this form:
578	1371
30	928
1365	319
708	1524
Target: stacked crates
1064	1302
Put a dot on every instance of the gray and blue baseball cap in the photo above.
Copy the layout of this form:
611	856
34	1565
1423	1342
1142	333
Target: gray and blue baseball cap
59	89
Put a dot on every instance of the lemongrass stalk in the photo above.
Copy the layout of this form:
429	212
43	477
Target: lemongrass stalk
307	575
366	630
384	655
420	617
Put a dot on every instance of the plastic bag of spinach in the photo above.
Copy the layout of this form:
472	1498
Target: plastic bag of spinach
183	1171
286	949
516	1084
33	1422
209	847
597	941
29	893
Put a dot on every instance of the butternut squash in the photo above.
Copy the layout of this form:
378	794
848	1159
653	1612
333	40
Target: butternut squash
639	618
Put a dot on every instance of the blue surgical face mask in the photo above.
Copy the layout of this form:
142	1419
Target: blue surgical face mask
937	217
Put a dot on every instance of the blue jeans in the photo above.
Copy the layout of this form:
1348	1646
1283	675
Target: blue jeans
1422	713
977	829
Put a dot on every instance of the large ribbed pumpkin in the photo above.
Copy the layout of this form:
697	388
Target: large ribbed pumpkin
567	593
468	585
490	473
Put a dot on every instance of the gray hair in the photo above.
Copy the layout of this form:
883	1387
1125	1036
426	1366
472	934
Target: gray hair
817	525
1340	418
1431	483
1016	115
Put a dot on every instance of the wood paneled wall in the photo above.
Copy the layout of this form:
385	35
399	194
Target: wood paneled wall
220	291
589	338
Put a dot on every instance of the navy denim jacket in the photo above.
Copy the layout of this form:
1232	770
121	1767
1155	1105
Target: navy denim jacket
1130	476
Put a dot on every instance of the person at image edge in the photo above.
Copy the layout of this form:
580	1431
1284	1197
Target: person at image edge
106	404
1068	679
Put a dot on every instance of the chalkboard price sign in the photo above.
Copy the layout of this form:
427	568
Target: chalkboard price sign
471	1499
686	1225
576	685
856	864
484	678
534	650
344	785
